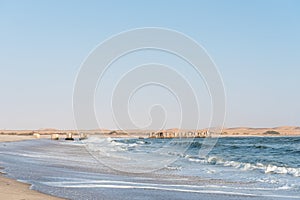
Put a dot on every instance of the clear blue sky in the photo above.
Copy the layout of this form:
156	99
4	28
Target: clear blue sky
255	44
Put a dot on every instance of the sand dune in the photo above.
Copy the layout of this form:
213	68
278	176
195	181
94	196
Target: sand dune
235	131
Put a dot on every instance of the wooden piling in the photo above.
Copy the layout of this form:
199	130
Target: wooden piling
69	136
54	137
83	136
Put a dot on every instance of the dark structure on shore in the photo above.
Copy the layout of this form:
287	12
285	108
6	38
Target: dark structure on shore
179	134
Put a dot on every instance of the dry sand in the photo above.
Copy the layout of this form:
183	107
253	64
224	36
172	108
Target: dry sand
13	190
246	131
14	138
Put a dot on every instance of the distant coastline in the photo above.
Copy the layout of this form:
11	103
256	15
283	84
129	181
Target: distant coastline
227	132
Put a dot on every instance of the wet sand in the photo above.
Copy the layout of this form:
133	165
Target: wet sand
14	190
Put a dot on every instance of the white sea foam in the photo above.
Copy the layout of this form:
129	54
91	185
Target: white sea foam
173	167
282	170
268	169
208	189
107	147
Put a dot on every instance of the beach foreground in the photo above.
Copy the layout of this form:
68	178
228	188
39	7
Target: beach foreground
14	190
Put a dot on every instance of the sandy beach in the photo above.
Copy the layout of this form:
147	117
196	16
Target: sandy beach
15	138
14	190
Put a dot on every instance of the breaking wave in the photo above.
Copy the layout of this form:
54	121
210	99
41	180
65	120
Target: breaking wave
265	168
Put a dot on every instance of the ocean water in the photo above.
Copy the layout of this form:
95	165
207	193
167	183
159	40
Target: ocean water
114	168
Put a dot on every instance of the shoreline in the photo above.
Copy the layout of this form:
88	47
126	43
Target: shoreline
16	190
16	138
13	189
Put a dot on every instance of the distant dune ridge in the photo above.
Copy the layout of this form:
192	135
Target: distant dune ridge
237	131
283	130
